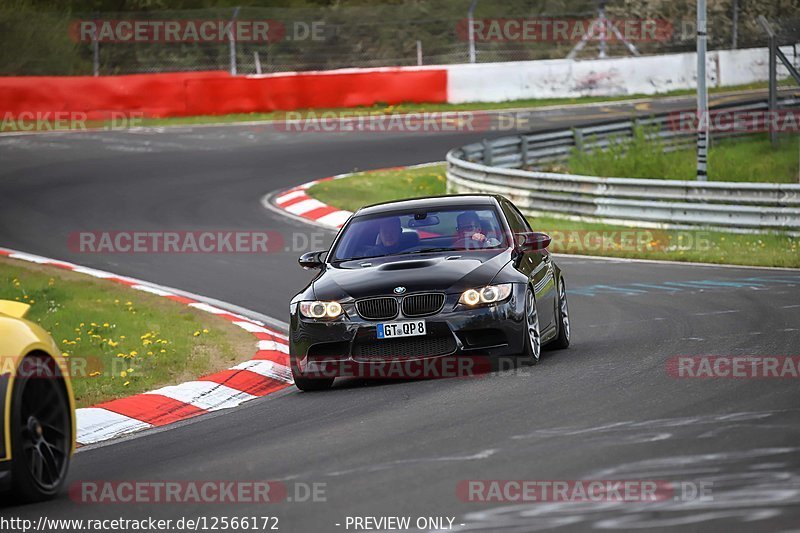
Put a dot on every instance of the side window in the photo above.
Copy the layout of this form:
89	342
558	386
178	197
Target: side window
516	220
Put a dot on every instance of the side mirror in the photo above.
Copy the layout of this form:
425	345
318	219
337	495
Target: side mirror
312	260
533	242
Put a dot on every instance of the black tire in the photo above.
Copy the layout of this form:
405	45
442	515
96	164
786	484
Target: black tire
533	339
562	341
41	431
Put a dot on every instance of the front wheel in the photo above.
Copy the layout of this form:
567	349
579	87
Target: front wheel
41	431
533	339
562	341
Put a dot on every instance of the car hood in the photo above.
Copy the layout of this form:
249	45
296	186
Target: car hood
449	272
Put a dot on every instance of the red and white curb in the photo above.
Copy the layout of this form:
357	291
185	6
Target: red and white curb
297	202
267	372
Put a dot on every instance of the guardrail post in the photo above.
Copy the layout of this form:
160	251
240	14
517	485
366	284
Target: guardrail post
578	135
488	158
523	150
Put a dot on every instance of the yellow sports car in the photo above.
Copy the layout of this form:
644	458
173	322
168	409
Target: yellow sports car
38	432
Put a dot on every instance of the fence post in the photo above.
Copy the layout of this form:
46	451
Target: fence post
773	74
471	30
419	53
257	60
95	51
232	41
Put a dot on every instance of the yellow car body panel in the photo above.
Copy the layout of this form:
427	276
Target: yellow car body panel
18	338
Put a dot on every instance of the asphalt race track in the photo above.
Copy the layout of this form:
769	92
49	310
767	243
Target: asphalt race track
604	409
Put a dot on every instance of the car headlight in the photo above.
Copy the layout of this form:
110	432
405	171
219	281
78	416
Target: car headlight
320	309
486	295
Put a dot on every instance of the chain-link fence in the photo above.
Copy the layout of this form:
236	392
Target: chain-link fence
338	36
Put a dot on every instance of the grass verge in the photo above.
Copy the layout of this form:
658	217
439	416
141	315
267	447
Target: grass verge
746	159
577	237
119	341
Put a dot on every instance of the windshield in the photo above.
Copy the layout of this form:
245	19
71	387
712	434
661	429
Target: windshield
401	233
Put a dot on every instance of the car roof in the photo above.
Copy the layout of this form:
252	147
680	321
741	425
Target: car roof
431	202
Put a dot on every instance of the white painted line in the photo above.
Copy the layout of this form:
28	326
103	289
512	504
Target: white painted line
718	312
205	395
96	424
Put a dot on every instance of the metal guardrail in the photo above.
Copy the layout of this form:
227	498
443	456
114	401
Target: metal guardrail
507	166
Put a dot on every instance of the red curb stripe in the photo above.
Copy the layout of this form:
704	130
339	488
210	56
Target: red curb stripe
61	265
123	281
246	381
3	252
319	212
181	299
152	408
272	355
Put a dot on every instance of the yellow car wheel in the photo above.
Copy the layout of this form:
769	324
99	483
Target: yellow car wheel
41	429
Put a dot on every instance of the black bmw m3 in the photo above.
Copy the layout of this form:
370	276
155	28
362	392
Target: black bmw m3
435	278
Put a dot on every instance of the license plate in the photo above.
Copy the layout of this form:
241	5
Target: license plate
393	330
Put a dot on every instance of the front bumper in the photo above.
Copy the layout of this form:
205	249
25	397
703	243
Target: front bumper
346	345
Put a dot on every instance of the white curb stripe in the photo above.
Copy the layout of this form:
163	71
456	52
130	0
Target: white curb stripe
151	290
205	395
95	425
289	196
335	219
273	346
305	206
268	369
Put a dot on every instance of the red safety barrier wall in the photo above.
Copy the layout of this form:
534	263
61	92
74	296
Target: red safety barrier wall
218	93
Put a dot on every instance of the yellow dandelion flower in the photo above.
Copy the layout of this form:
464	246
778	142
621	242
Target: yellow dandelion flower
126	383
94	374
196	333
123	374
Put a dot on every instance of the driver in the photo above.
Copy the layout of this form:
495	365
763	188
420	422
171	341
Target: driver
389	236
469	234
